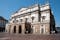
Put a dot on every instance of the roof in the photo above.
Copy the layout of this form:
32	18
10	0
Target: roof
58	28
2	18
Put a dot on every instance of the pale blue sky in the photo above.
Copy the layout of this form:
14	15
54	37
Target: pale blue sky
8	7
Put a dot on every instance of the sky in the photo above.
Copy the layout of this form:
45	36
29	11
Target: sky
8	7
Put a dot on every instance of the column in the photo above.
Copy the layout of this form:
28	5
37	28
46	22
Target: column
17	29
23	28
12	29
33	30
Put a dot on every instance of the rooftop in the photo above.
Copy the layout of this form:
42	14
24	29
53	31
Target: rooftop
2	18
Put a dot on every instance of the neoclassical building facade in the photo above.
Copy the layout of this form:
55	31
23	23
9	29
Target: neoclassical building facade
36	19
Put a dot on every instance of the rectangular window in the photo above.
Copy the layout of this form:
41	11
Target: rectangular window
26	19
20	20
43	18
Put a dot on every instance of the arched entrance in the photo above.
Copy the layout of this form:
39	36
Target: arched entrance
20	29
42	30
14	29
27	28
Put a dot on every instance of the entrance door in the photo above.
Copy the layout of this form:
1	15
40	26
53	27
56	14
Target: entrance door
20	29
42	29
14	29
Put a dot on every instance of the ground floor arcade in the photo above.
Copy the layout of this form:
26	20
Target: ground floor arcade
28	28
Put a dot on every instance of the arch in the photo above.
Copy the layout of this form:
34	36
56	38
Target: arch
27	28
20	29
14	29
42	30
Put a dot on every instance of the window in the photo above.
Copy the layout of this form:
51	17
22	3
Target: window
13	21
20	20
41	25
26	19
16	20
32	18
43	17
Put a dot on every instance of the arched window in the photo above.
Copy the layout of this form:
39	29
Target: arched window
32	19
43	18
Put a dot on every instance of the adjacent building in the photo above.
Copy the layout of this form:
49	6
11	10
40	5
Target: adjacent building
36	19
58	29
3	22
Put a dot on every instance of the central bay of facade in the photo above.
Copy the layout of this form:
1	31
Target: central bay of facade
37	19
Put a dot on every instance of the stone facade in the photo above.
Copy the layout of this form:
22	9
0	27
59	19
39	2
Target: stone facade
32	20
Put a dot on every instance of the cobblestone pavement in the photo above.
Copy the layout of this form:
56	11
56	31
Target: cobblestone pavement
6	36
